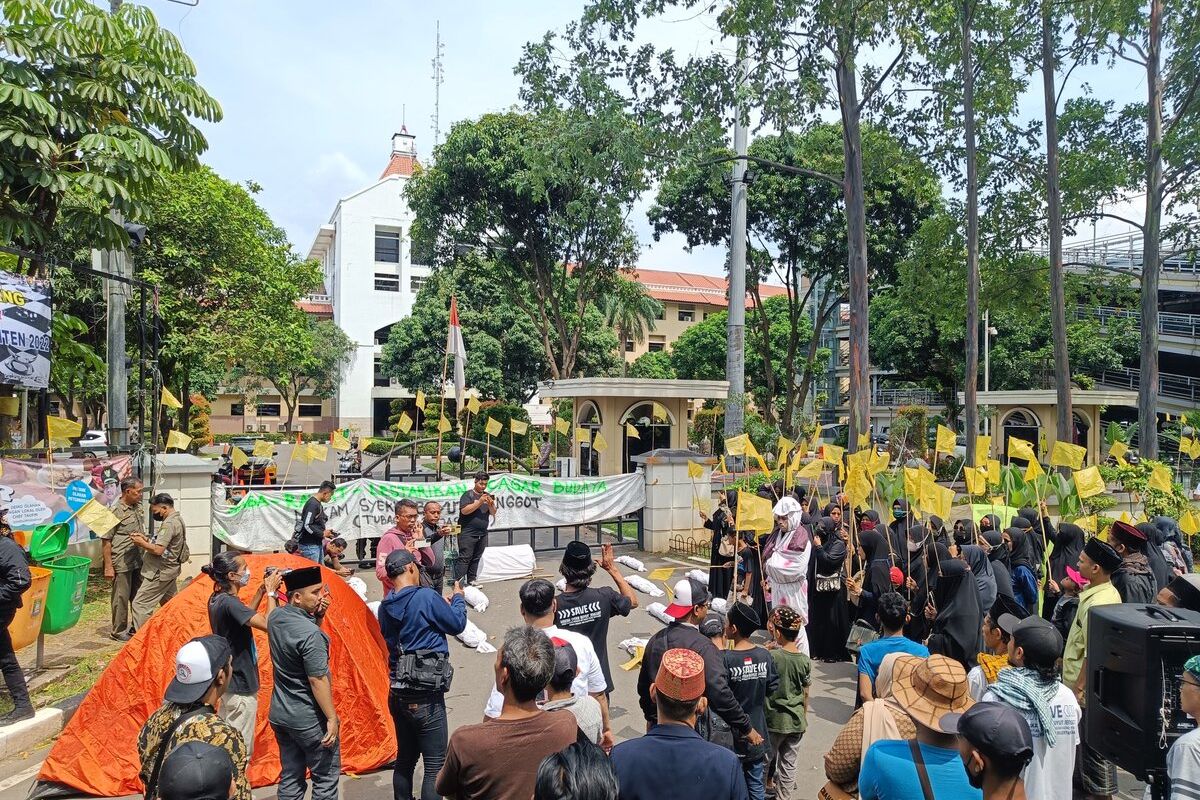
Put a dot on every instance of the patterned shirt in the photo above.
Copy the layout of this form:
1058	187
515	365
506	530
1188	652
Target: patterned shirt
126	556
204	727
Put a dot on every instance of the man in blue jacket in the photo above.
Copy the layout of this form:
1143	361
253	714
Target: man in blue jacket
671	760
415	621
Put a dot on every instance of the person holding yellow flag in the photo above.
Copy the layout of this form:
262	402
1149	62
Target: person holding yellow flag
723	545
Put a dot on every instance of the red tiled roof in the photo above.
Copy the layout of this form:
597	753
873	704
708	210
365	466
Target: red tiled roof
400	164
317	309
689	287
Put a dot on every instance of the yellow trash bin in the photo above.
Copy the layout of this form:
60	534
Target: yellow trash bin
27	624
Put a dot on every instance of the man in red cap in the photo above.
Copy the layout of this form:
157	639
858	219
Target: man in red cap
1133	579
671	760
688	610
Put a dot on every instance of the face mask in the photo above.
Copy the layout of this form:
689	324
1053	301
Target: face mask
914	546
898	513
244	578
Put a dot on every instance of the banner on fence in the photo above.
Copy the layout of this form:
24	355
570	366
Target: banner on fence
40	492
264	520
24	331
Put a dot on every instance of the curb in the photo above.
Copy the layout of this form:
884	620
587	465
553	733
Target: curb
26	734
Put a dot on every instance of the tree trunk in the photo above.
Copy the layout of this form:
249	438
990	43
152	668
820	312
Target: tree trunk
185	413
1148	390
1058	301
856	246
971	376
764	326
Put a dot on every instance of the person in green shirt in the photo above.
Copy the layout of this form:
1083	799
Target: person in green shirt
787	706
1097	563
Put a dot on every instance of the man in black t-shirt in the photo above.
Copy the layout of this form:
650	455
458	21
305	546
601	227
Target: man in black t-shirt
312	532
585	610
476	508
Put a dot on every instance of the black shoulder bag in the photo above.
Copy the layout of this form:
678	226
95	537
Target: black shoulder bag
164	745
922	773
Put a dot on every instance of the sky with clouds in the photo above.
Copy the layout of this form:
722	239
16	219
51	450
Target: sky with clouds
312	92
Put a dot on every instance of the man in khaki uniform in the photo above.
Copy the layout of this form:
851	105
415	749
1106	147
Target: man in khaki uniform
161	560
122	558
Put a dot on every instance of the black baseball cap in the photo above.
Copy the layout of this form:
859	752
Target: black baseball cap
713	625
994	729
196	771
566	661
1041	641
397	561
577	555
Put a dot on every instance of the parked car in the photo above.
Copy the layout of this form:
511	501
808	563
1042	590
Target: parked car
94	440
257	471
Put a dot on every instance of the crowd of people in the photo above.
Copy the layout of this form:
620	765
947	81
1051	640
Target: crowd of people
969	643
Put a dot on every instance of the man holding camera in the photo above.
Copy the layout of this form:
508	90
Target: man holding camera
476	508
415	621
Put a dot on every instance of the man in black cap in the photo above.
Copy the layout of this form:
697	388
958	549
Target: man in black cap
995	744
197	771
587	610
203	670
1097	563
302	715
1032	688
1182	592
689	608
752	677
1133	579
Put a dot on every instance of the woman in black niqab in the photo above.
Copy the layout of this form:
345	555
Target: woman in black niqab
955	630
828	612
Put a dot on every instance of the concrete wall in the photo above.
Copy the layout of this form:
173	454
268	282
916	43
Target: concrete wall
672	498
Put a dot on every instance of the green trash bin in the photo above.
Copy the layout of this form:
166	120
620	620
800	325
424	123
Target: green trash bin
68	585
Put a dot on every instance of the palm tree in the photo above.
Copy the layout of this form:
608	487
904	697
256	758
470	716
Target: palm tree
630	311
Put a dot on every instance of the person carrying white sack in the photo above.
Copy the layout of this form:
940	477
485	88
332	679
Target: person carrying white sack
785	562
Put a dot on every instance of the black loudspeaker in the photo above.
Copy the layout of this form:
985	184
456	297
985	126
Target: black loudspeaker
1135	655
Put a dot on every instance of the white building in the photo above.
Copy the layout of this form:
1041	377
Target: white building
371	282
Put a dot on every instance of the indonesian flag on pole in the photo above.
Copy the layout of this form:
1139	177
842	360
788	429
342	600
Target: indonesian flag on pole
456	349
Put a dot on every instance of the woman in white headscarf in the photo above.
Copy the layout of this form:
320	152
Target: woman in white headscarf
785	560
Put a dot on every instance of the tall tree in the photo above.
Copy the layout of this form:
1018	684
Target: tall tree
94	108
546	196
630	311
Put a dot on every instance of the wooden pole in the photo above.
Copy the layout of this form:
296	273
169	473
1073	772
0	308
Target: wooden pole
511	446
442	411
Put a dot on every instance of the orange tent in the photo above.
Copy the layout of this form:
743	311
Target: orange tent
97	751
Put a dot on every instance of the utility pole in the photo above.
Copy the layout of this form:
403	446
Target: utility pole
439	77
735	356
114	262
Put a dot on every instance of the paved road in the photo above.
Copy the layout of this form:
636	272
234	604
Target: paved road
831	704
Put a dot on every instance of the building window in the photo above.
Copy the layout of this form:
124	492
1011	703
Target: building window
268	409
387	246
309	409
687	313
657	344
237	409
55	408
386	283
629	345
416	283
380	378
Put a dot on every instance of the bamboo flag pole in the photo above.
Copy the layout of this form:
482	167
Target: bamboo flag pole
511	446
442	411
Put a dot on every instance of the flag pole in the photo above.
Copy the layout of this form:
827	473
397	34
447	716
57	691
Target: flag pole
442	412
511	445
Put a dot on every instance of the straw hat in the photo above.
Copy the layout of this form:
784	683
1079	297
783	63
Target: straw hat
931	688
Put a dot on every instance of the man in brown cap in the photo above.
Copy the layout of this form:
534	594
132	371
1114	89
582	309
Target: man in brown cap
928	690
671	760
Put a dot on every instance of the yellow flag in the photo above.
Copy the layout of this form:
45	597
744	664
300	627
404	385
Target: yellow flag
598	443
1189	524
796	465
169	400
317	452
1160	478
832	454
859	460
858	488
238	458
721	465
493	427
928	492
983	450
1190	447
472	405
695	470
754	513
1067	455
976	480
812	470
1118	451
631	431
762	465
941	501
1127	518
864	439
263	449
912	483
879	462
302	454
1019	448
97	516
583	434
562	426
998	500
62	429
338	441
784	445
180	440
405	423
1088	523
444	425
420	401
659	412
736	445
993	471
1088	482
518	427
1034	471
945	440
